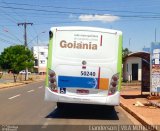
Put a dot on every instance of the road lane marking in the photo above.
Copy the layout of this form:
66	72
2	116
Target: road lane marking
14	96
30	91
40	87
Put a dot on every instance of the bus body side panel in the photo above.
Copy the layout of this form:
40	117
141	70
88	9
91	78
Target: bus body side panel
119	64
49	66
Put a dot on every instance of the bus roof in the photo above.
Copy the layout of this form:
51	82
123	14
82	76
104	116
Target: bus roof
85	28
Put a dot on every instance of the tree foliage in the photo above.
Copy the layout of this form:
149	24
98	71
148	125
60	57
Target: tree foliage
16	58
125	52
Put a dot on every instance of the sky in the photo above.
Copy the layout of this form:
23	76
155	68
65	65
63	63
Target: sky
137	19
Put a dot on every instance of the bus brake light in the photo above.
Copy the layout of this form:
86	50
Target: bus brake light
52	81
113	84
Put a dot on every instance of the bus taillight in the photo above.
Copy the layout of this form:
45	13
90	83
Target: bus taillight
113	84
52	81
52	74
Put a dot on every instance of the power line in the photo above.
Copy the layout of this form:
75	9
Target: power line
35	37
125	16
7	36
14	11
93	9
12	19
9	17
3	24
28	9
33	13
49	11
35	30
11	34
8	42
59	22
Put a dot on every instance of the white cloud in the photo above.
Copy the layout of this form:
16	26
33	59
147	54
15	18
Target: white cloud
103	18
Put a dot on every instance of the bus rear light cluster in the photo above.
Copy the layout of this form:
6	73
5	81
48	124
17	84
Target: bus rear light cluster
113	84
52	73
52	80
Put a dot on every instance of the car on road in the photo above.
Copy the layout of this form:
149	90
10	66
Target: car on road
24	72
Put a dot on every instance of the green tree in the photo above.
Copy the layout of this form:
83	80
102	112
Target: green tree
125	52
16	58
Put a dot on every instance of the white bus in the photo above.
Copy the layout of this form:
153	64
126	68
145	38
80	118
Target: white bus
84	66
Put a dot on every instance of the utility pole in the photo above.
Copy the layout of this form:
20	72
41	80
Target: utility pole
25	41
155	35
38	54
25	31
129	44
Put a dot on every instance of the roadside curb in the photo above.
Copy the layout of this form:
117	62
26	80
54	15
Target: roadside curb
10	86
132	84
138	117
21	84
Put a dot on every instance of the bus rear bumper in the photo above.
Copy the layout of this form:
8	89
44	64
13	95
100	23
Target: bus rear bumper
112	100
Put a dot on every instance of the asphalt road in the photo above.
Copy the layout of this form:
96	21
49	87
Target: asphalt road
25	106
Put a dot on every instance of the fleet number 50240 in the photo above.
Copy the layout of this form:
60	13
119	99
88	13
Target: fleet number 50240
88	73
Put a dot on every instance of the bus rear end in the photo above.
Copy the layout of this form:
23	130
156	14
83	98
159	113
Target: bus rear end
84	65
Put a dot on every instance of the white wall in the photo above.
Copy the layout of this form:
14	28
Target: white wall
127	74
41	54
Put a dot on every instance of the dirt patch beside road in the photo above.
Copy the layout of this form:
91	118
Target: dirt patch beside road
7	80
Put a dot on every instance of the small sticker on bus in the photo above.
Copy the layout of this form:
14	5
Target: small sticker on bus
63	90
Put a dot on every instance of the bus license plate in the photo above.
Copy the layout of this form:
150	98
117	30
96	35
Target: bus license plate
82	91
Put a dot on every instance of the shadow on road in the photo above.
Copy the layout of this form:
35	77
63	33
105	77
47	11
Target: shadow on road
134	96
78	111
